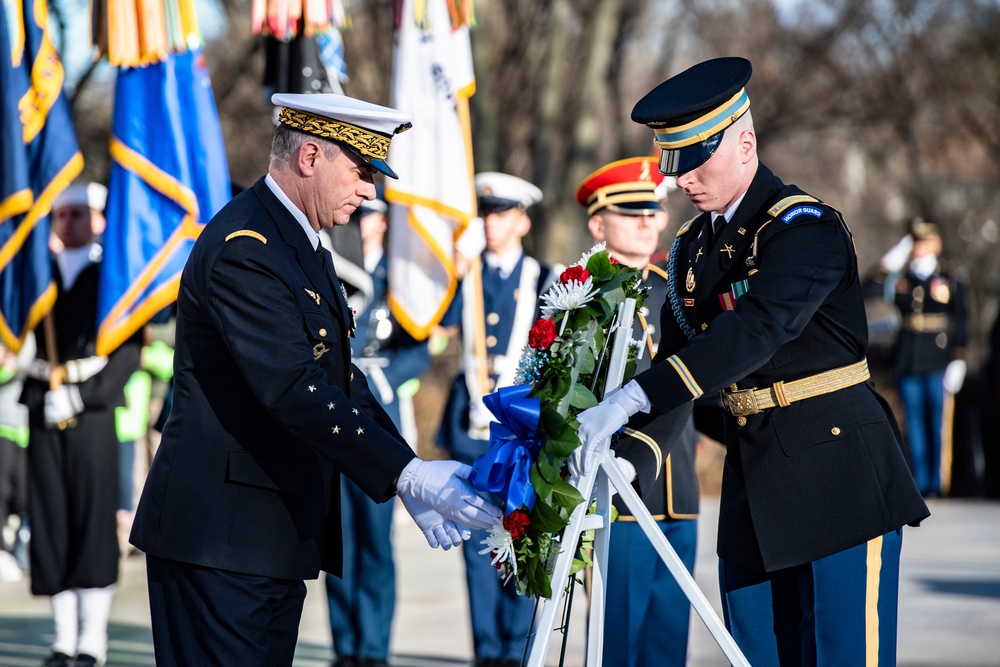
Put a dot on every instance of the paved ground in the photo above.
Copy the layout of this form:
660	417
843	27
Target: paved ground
949	606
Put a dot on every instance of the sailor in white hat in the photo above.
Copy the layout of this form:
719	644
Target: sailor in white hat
243	501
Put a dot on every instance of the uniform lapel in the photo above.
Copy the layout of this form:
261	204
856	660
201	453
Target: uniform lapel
318	284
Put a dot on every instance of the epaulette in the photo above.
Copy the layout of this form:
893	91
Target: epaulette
657	270
247	232
686	226
780	211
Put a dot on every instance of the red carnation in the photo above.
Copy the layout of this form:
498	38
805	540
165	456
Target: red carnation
515	523
575	272
542	334
614	261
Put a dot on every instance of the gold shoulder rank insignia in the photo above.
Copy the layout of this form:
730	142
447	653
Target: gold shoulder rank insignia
686	226
776	210
247	232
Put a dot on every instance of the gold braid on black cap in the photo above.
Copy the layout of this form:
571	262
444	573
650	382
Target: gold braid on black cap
368	143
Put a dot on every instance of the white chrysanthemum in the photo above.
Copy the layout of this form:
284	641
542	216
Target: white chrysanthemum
590	253
499	543
568	296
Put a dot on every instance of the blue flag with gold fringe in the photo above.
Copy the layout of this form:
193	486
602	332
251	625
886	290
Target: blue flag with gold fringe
38	159
169	176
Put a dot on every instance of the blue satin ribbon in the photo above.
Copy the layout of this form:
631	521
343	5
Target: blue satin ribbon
505	469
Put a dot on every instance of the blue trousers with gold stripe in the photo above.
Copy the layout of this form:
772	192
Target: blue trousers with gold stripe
838	610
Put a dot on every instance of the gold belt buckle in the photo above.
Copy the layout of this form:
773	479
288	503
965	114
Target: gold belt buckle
741	402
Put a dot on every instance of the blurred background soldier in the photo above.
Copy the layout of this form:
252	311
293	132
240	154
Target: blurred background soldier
929	352
13	463
362	601
646	611
495	307
73	450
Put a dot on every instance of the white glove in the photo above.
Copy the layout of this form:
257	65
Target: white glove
895	259
62	404
954	376
441	486
438	531
472	242
479	415
625	466
600	422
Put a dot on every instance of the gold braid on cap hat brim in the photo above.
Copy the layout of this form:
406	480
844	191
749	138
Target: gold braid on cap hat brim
368	143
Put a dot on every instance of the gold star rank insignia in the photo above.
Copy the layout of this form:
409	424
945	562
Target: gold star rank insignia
312	388
331	406
335	429
361	431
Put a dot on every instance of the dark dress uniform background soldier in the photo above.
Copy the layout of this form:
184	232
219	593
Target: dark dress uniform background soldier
242	500
361	601
766	303
647	613
929	353
73	450
494	307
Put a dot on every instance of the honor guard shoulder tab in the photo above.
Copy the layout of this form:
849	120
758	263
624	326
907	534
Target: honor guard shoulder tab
247	232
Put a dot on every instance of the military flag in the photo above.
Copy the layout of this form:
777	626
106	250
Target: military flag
434	199
39	158
169	173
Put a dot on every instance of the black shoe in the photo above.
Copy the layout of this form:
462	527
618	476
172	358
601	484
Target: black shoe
83	660
371	662
345	661
57	659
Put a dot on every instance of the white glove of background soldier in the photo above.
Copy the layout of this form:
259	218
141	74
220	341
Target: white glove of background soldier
954	376
895	259
440	487
600	422
62	404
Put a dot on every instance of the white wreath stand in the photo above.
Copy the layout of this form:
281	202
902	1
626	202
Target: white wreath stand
606	478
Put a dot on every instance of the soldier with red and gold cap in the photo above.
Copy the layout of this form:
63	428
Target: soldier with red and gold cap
647	614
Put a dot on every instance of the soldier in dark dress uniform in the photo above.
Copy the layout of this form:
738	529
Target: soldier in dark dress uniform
929	353
765	303
647	613
494	307
361	601
73	450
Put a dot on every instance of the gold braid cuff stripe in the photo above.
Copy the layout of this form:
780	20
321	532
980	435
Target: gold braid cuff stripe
368	143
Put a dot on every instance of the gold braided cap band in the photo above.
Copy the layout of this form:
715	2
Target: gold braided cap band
368	143
744	402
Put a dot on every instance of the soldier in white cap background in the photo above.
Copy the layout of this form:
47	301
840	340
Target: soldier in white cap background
242	500
73	448
494	308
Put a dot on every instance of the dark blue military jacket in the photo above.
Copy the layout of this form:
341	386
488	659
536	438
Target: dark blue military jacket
934	321
673	494
500	297
268	409
778	299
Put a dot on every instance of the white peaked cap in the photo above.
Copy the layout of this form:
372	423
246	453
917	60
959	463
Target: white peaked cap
498	188
93	195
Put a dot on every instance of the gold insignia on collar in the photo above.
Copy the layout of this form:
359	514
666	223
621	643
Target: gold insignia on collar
319	349
313	295
689	281
698	256
728	249
741	231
